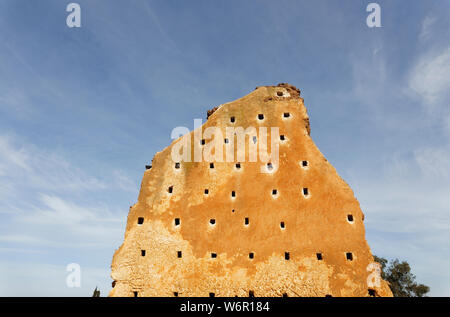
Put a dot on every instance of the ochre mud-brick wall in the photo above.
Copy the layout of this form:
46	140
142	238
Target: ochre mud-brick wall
228	229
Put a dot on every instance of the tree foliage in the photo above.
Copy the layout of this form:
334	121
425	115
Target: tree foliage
96	292
401	280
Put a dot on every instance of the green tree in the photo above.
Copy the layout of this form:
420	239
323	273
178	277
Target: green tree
401	280
96	292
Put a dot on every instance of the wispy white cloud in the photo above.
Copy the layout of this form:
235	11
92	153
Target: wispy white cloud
426	29
26	165
429	79
434	163
406	204
43	279
123	181
41	199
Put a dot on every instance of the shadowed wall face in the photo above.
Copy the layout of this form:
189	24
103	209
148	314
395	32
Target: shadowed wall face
229	229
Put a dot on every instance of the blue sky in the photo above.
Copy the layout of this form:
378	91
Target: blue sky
82	110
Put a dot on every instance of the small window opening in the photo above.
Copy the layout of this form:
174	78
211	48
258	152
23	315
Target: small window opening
304	163
285	295
279	93
255	139
233	194
211	165
232	210
328	295
179	254
177	221
212	221
260	116
206	191
142	252
232	119
140	220
282	225
251	255
238	165
247	221
147	167
349	256
212	295
286	255
175	294
282	137
226	141
213	255
177	165
286	114
274	191
372	292
170	189
305	191
251	294
269	166
203	142
135	294
319	256
350	218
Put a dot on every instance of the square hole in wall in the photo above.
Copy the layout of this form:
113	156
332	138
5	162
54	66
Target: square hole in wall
269	166
247	221
238	165
203	142
251	294
232	119
255	139
287	256
177	221
282	226
213	255
212	295
135	294
372	292
211	165
212	221
328	295
140	220
177	165
274	192
279	93
206	191
319	256
285	295
304	163
179	254
233	194
251	255
226	141
175	294
260	116
282	138
305	191
349	256
170	189
232	210
350	218
286	115
142	252
147	167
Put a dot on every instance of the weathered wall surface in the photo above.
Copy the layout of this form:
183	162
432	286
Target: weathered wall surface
285	260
